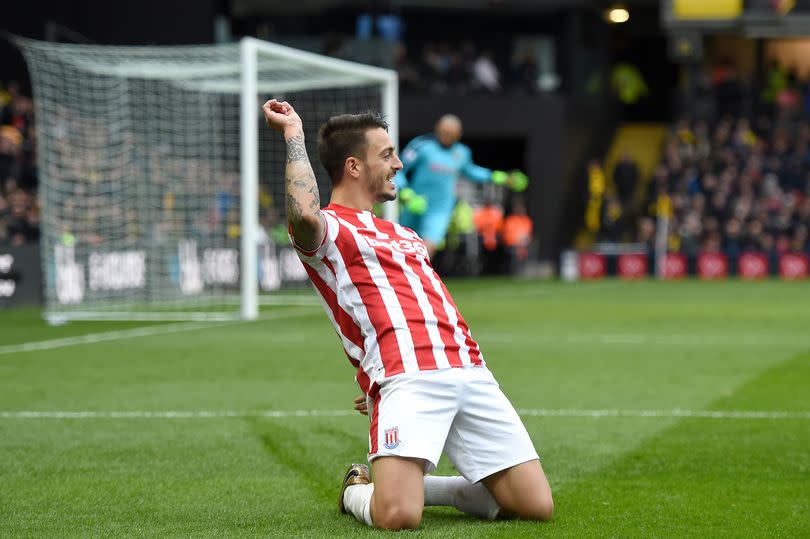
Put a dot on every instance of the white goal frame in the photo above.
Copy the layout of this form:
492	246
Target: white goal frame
245	76
250	48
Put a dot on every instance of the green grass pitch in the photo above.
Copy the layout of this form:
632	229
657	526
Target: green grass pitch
642	399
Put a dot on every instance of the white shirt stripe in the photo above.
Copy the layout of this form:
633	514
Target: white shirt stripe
349	300
458	335
352	349
431	322
389	297
359	234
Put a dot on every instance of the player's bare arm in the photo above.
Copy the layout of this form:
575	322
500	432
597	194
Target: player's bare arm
303	199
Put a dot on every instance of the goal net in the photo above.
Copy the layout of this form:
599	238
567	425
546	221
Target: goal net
162	191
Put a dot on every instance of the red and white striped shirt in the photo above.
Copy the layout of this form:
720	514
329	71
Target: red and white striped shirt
390	309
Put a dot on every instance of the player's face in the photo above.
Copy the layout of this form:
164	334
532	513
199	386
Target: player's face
382	164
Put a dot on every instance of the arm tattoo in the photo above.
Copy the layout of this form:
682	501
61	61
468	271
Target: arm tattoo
315	204
293	208
302	187
296	149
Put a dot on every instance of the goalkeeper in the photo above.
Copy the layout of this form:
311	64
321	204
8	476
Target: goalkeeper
427	183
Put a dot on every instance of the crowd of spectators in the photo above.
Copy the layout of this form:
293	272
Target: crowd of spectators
734	175
738	184
19	210
463	68
105	179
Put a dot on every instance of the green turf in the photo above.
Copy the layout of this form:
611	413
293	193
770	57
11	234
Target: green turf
688	346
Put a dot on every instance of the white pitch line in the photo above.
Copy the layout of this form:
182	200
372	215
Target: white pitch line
173	414
147	331
531	412
700	414
645	339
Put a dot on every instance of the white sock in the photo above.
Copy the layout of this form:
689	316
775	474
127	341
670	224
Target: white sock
471	498
357	500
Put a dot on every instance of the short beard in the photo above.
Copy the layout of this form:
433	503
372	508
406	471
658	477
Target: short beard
387	197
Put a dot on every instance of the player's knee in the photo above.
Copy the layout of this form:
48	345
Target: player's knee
541	509
398	517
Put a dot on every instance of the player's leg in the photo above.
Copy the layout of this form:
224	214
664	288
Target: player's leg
398	497
456	491
522	491
451	491
394	501
488	443
355	493
409	420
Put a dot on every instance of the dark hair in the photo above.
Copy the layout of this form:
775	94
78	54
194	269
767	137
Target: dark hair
345	136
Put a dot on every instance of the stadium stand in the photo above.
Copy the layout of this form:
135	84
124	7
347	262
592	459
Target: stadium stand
739	184
734	182
19	222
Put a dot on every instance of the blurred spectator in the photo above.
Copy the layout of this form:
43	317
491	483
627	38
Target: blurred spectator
691	234
611	226
460	68
409	77
22	224
517	235
458	73
776	80
626	177
10	152
728	89
19	217
646	234
628	83
18	111
525	72
436	59
489	222
732	239
596	192
799	243
486	75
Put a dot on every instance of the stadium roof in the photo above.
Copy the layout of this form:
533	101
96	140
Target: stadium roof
259	7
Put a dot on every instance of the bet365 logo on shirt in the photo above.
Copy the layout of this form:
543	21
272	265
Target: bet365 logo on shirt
400	246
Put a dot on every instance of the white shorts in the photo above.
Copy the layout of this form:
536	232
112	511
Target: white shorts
459	410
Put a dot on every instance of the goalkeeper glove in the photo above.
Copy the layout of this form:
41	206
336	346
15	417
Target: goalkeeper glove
413	202
517	181
499	177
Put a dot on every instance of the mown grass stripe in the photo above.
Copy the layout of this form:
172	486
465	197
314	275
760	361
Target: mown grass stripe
147	331
532	412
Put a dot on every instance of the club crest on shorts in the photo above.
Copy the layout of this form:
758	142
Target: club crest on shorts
391	438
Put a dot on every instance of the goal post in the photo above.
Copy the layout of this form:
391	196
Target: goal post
161	193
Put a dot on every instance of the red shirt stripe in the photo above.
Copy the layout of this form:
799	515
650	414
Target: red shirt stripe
475	354
344	321
385	299
443	325
373	431
423	346
372	299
